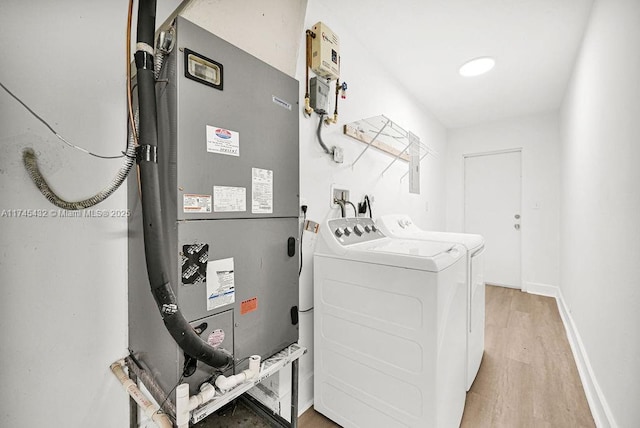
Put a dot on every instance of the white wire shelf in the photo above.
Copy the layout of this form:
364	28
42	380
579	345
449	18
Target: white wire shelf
385	135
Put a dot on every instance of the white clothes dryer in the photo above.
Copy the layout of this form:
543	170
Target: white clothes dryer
401	226
389	328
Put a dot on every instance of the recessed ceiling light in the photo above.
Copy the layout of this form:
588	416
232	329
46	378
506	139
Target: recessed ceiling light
477	66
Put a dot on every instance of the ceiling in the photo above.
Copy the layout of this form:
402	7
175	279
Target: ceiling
424	42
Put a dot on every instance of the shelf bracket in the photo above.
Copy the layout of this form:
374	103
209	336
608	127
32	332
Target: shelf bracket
396	158
371	142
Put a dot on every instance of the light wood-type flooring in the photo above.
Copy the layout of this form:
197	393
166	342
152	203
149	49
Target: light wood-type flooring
528	377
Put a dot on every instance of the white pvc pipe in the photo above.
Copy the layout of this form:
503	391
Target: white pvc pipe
226	383
150	409
254	364
182	405
185	404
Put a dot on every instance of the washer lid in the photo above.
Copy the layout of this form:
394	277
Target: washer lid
359	239
410	247
407	253
401	226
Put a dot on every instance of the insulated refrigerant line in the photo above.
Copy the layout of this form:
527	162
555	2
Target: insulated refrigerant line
157	258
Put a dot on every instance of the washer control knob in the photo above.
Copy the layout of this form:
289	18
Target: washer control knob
374	228
367	228
358	229
348	231
339	232
401	223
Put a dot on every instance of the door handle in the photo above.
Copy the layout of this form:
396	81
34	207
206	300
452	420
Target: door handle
517	226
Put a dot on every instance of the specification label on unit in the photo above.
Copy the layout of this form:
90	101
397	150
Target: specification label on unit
229	199
261	191
196	203
282	103
223	141
221	288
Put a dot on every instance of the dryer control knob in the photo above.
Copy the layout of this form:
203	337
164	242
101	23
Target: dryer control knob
358	229
348	231
367	228
374	228
338	232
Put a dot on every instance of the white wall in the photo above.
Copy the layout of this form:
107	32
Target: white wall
600	232
268	30
372	91
538	137
63	311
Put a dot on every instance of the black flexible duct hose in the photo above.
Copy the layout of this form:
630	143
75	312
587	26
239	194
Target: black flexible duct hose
154	234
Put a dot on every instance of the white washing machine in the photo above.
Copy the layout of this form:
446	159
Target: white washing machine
401	226
389	328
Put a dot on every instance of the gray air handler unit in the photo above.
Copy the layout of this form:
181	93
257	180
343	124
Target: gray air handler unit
228	163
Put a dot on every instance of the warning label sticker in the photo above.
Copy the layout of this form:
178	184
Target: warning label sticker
228	199
193	261
221	287
216	338
248	305
223	141
261	191
196	203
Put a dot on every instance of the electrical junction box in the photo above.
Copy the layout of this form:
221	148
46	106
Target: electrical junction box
338	154
325	52
318	95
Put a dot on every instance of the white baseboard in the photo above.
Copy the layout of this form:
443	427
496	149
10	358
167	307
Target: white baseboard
306	406
541	289
597	403
303	407
600	410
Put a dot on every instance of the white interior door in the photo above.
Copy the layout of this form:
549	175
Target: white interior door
492	196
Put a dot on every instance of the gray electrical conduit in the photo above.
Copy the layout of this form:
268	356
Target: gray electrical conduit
30	161
164	46
158	63
319	134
